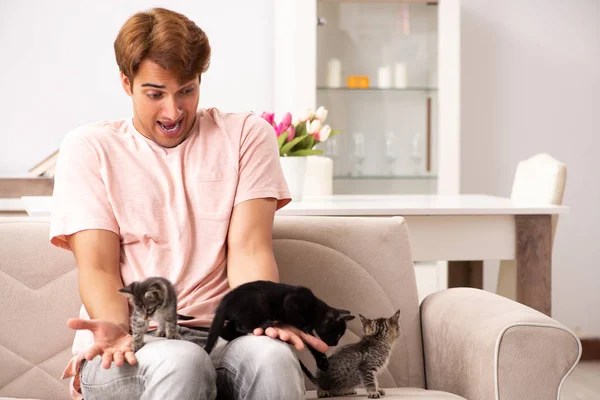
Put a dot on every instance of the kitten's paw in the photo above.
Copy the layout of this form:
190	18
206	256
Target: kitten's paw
322	394
137	345
160	333
373	395
173	335
381	392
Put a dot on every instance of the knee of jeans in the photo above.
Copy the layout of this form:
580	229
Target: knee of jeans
276	356
182	358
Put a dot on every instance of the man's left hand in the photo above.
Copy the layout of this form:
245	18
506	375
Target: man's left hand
293	336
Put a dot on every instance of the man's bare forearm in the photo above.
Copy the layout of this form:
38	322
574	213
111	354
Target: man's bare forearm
245	267
99	291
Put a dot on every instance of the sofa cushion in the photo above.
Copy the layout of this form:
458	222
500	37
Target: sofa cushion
39	293
361	264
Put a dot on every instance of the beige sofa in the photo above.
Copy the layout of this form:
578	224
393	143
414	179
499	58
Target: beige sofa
460	343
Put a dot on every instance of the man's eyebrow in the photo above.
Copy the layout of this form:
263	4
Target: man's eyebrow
153	85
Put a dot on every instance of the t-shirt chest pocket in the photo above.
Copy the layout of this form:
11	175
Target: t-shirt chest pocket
211	194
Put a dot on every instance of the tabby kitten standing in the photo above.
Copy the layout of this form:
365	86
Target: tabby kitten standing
359	362
153	299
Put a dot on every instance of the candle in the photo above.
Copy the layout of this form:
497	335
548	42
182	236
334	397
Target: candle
334	73
400	75
384	77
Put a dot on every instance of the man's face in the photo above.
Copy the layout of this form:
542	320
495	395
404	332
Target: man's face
164	110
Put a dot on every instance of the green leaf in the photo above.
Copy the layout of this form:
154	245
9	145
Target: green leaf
311	142
334	133
281	138
288	146
305	152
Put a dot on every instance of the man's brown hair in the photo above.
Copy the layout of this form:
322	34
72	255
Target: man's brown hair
168	38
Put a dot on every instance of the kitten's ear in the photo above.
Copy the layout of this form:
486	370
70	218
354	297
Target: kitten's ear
152	295
127	291
348	317
363	319
394	318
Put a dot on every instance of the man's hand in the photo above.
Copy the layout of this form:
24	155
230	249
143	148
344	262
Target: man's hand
293	336
111	341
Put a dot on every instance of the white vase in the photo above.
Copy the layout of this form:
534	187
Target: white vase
294	171
319	176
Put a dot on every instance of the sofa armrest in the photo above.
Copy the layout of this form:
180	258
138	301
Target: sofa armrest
479	345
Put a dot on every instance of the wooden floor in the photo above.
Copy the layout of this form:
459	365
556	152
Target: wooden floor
583	383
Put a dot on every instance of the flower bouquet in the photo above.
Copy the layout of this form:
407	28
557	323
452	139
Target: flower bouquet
297	139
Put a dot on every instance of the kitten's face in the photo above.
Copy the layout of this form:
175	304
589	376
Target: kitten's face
145	298
389	327
333	326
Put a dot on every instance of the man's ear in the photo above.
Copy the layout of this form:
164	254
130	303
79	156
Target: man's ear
126	83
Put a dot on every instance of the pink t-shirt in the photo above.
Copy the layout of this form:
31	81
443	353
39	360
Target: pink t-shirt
170	206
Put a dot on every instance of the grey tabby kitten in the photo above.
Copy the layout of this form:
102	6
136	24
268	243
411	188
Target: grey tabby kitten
359	362
153	299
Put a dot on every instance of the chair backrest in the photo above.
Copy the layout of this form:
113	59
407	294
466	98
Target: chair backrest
38	286
361	264
540	179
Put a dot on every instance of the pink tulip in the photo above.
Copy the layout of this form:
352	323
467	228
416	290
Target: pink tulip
284	125
287	120
291	134
269	117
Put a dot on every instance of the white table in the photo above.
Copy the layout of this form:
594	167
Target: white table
462	229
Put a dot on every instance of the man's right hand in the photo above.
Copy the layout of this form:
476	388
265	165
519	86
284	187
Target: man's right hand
111	341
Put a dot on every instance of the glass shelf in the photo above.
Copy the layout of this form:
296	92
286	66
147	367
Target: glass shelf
376	89
385	177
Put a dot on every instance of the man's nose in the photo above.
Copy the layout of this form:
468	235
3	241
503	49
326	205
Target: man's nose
172	110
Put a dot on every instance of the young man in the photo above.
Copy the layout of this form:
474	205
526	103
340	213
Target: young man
177	192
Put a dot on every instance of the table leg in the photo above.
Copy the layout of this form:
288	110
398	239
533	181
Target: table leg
465	274
534	261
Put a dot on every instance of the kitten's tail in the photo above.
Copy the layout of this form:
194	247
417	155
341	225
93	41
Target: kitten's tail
308	374
184	317
215	329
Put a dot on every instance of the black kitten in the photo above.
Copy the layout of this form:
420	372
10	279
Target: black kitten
261	304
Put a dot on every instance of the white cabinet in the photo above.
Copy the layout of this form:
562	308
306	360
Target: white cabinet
400	130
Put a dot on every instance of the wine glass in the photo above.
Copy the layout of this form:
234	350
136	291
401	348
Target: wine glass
391	153
332	150
359	153
416	156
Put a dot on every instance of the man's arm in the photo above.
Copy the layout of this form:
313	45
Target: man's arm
97	253
250	258
249	242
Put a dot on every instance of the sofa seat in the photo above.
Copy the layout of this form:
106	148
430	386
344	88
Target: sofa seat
398	393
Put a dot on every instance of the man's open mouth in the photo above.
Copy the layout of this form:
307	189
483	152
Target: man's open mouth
170	128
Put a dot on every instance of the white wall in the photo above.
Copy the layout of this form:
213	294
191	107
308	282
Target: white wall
58	69
531	83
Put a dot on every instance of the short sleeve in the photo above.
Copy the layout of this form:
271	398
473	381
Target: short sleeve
80	200
260	172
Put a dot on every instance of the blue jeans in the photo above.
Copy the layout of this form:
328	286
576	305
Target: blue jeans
248	368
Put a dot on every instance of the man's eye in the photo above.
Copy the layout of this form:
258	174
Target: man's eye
155	95
188	91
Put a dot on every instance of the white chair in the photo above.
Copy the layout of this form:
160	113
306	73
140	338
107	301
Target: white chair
539	179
